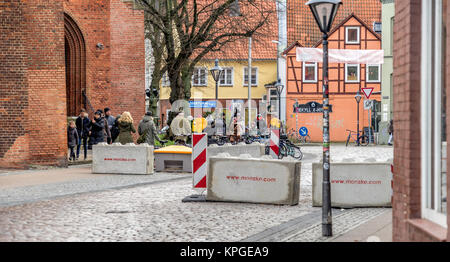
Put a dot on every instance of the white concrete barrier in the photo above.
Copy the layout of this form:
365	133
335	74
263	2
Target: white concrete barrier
354	184
255	149
252	180
122	159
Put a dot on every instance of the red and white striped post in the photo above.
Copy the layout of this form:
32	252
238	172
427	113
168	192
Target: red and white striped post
275	142
199	166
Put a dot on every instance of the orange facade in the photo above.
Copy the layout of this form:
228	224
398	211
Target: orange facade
304	83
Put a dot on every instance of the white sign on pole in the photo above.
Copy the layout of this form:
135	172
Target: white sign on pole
368	104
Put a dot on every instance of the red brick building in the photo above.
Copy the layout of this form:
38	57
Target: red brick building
421	84
57	57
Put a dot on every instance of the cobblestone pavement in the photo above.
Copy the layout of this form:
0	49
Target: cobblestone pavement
154	212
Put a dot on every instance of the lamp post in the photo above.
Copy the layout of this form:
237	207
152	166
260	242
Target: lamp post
279	88
216	73
358	99
324	12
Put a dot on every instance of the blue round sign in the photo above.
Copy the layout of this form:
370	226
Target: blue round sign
303	131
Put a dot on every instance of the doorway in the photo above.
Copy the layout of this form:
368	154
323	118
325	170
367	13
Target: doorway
75	61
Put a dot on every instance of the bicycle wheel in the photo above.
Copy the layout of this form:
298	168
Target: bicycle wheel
297	153
364	140
307	139
220	141
348	139
283	151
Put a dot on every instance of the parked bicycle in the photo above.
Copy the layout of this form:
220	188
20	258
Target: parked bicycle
295	135
362	140
287	148
218	139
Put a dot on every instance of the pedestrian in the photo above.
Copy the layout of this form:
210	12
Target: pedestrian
126	128
98	128
83	125
391	132
147	130
115	129
72	139
110	121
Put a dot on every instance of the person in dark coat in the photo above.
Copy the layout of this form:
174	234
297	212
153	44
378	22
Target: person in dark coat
391	132
115	129
98	128
148	126
72	139
83	126
126	127
110	121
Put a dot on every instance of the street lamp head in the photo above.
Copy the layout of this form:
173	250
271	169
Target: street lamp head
358	97
279	86
324	12
216	71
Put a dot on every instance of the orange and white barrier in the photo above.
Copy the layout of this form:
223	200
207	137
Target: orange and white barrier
275	143
199	165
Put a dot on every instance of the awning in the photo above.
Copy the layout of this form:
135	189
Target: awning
341	56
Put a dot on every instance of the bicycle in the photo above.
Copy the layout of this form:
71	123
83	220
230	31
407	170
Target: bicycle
287	148
294	135
362	140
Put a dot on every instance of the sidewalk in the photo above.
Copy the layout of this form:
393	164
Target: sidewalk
378	229
25	186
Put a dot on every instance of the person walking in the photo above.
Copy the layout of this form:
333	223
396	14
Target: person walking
391	132
110	122
126	128
147	129
83	125
72	139
98	128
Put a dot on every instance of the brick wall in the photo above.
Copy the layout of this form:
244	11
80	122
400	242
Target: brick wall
32	72
13	80
33	89
127	60
407	37
407	222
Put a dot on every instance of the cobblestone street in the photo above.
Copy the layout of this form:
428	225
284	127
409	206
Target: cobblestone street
150	209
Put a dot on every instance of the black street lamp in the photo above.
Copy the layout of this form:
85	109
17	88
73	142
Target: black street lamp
279	88
216	73
358	99
324	12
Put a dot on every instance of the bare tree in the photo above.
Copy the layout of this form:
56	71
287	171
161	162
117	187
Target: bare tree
193	28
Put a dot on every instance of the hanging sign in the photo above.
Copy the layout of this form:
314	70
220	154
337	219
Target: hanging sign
341	56
311	107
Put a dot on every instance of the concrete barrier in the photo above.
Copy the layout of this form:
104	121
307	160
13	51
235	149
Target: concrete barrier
173	159
354	184
122	159
253	180
255	149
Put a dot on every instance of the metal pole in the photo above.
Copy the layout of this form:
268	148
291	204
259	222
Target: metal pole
249	80
217	90
326	187
357	122
368	124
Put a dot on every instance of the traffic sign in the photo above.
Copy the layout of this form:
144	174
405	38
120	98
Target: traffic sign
368	104
303	131
367	91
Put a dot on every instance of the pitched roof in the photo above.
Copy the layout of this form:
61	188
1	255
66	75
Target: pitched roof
302	27
262	46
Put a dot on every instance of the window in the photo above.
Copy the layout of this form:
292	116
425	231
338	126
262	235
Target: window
351	73
309	72
373	73
254	76
199	76
226	78
165	80
352	35
433	117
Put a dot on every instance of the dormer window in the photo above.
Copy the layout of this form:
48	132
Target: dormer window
352	35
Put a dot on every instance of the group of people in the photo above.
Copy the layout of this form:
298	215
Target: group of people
106	128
